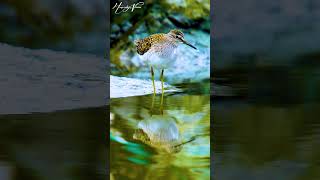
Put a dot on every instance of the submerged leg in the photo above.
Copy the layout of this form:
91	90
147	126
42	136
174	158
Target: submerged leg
152	104
162	91
152	77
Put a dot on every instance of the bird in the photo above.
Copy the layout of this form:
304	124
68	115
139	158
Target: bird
158	50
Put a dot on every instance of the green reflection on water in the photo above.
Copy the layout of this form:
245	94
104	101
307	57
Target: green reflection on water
137	161
172	145
279	142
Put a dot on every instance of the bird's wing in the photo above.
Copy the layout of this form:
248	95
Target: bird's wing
143	45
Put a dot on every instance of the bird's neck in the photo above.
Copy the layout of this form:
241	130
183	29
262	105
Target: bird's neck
171	40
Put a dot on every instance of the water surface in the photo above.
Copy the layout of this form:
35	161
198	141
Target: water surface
60	145
271	130
148	143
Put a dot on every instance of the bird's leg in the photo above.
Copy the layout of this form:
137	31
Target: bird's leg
162	79
152	77
162	90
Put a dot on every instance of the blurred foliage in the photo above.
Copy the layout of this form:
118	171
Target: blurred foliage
192	9
46	24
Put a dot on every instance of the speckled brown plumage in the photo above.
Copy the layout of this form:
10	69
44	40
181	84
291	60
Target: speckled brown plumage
143	45
162	45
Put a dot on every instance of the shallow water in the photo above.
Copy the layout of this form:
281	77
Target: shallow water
147	143
58	145
272	129
266	142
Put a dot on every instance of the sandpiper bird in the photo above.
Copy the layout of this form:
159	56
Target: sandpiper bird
157	50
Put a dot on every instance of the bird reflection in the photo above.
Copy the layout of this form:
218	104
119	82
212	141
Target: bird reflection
160	131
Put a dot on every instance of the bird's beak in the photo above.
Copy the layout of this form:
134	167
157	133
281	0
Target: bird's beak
185	42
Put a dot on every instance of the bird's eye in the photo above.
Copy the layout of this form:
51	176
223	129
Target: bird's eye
177	36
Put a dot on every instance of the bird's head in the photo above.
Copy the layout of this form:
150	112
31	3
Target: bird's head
178	36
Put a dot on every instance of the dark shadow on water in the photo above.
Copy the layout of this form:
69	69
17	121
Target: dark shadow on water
272	131
59	145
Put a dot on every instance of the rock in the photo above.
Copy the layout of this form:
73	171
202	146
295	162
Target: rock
46	80
126	87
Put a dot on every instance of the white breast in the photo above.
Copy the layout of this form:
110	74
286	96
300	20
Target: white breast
160	57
